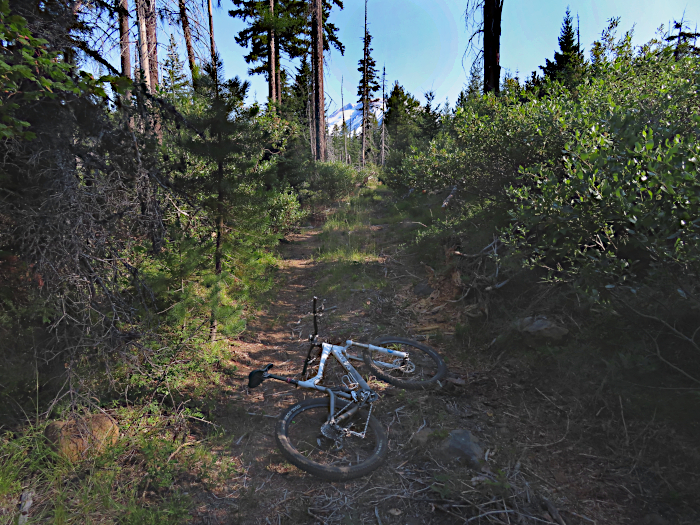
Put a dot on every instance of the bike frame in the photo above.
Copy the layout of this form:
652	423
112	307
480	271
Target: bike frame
340	354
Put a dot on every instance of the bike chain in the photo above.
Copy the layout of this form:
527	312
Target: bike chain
350	432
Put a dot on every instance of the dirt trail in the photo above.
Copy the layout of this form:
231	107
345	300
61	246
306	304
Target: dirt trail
532	473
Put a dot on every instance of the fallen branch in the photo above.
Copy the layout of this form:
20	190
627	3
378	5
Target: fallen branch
178	449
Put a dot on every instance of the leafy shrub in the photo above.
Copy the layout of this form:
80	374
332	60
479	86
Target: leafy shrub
623	195
601	182
331	181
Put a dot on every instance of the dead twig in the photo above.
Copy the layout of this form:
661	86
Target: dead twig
178	449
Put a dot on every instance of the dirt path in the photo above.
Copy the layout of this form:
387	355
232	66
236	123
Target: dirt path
538	465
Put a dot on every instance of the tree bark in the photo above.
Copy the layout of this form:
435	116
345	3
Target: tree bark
211	31
272	66
310	113
383	157
492	44
187	32
143	44
319	102
152	39
278	82
124	39
345	135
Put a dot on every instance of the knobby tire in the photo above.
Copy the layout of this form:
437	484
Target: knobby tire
299	427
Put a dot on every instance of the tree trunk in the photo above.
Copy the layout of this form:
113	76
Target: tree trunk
143	44
319	102
124	39
365	95
492	44
211	31
271	62
310	113
219	237
383	157
188	37
278	82
345	130
152	39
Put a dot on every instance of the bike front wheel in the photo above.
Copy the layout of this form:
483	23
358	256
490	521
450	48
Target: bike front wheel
423	369
299	436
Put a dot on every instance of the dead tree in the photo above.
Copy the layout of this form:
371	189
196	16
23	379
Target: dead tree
272	59
319	102
124	38
212	46
483	19
152	42
144	66
187	32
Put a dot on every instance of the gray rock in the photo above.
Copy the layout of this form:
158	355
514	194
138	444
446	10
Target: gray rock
423	290
539	327
460	443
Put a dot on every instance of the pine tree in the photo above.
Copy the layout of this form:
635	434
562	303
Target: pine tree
369	84
175	83
275	28
569	61
402	123
229	145
430	118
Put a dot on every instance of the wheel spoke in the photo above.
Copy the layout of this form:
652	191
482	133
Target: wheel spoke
423	367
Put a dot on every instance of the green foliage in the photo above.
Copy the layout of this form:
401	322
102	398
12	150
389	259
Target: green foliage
331	181
602	181
30	72
568	65
175	85
290	23
625	193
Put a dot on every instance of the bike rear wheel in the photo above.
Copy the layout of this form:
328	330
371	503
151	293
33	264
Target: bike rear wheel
298	434
423	370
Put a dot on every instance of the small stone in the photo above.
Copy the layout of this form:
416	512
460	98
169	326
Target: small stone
462	444
423	289
421	437
540	327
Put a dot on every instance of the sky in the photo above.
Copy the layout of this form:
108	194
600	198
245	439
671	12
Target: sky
422	42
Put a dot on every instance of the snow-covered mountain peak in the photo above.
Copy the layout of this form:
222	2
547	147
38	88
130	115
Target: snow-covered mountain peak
353	116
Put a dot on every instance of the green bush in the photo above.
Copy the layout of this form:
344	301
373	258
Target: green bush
601	181
331	181
623	195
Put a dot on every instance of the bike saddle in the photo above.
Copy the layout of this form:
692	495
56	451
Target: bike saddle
258	376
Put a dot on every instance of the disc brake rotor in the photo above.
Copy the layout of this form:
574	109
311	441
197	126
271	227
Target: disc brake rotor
405	366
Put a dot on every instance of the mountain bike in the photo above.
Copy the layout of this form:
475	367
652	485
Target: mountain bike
336	437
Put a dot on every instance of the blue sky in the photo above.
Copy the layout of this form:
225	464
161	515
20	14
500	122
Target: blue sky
422	42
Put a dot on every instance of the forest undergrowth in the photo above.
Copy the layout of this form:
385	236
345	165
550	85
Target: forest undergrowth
159	242
573	428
